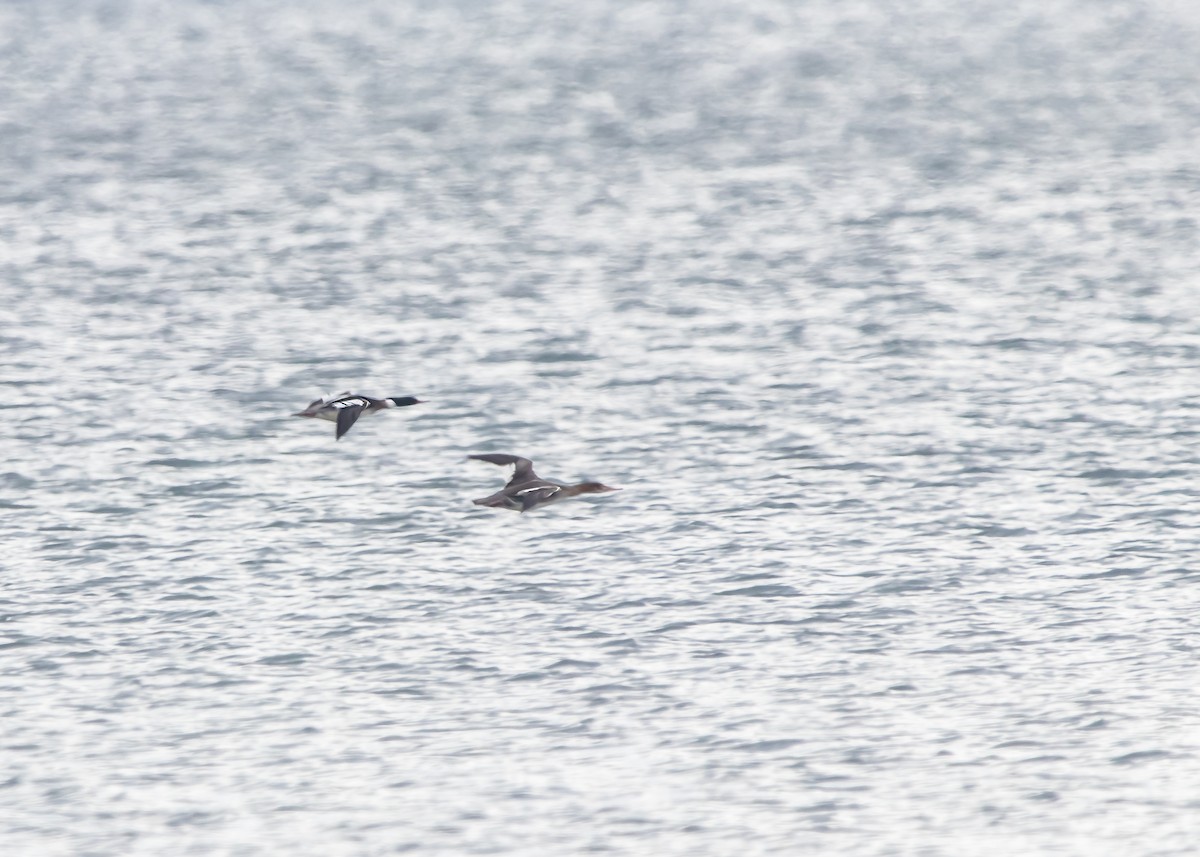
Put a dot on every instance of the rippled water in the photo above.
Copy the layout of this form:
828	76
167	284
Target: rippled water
886	318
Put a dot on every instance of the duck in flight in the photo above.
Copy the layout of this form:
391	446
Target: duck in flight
526	489
345	408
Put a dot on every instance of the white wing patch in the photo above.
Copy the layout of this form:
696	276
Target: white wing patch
350	403
552	489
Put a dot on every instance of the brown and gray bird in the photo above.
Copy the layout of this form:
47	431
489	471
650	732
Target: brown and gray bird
526	489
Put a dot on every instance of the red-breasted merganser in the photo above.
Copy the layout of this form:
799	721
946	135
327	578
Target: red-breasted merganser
345	408
526	490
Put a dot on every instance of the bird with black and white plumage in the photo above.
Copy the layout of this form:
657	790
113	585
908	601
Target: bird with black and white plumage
526	489
345	408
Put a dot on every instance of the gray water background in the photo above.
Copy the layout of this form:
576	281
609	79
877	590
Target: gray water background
885	316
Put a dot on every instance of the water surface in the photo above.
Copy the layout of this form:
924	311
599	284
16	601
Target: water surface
884	317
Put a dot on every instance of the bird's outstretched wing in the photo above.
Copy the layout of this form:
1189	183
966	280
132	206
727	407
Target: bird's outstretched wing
329	397
522	467
347	415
